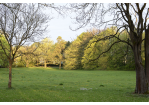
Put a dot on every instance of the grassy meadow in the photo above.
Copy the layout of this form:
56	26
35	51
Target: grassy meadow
53	85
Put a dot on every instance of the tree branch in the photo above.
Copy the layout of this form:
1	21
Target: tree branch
104	51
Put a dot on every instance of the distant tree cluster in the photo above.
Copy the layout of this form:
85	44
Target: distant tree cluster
41	53
83	53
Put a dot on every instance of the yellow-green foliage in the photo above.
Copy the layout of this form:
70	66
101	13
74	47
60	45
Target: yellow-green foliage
45	47
120	55
71	56
59	50
75	51
82	51
3	57
93	50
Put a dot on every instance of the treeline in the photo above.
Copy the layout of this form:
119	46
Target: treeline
85	52
38	54
42	53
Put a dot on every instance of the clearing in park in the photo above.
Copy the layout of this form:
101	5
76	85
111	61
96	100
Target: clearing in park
53	85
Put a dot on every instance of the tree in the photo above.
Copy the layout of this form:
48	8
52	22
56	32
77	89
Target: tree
37	53
125	16
45	47
121	56
75	52
20	23
59	50
27	54
93	49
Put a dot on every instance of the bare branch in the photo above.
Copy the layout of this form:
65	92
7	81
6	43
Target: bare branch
146	19
112	36
137	4
122	11
104	51
21	23
143	7
133	8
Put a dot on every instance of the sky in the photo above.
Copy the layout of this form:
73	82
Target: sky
59	26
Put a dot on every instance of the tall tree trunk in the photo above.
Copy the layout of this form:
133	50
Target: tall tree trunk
141	80
27	64
10	73
37	62
60	65
146	44
45	64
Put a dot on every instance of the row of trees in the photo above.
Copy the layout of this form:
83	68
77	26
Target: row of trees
78	54
85	48
41	53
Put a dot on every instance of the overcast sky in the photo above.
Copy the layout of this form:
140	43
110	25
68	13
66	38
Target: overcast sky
60	26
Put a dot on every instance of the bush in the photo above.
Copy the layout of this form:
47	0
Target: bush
18	64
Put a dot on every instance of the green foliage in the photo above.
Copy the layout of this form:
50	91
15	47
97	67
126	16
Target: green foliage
59	50
42	85
77	54
95	48
81	52
3	57
26	58
75	51
45	51
67	44
121	55
34	54
19	63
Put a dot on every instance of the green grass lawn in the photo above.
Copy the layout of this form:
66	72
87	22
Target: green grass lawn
53	85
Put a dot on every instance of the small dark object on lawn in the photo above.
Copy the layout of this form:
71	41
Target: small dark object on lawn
61	84
101	86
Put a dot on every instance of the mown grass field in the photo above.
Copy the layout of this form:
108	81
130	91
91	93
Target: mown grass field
53	85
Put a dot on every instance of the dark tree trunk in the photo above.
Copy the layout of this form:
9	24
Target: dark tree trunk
141	80
10	73
147	54
37	62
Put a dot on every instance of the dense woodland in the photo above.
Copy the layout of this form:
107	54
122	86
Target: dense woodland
77	54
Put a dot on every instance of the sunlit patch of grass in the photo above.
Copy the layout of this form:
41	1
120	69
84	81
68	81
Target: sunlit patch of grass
54	85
